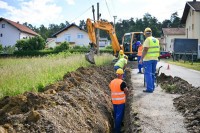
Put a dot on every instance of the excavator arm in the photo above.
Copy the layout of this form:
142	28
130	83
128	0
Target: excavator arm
106	26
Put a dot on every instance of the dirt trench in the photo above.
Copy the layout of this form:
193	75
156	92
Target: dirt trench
187	103
79	103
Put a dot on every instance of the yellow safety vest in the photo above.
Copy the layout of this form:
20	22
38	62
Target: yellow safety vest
154	48
121	62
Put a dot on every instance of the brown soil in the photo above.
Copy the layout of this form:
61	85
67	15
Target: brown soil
79	103
187	103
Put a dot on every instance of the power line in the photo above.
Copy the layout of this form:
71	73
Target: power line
108	9
81	14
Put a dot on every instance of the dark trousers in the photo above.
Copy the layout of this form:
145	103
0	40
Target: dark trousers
118	116
139	65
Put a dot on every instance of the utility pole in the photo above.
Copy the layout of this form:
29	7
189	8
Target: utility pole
93	12
98	31
114	20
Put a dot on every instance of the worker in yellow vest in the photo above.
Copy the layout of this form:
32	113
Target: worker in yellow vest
121	63
121	54
119	92
149	58
139	54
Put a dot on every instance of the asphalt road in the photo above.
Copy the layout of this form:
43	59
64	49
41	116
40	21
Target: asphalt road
191	76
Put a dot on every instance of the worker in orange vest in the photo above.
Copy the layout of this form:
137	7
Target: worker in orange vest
119	91
139	54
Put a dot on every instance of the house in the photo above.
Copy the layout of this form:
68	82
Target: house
103	42
191	20
168	37
162	44
73	34
51	43
11	31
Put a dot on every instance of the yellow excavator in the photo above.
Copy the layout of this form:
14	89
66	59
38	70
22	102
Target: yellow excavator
103	25
127	41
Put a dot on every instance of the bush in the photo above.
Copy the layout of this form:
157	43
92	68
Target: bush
34	53
63	47
34	43
1	48
108	47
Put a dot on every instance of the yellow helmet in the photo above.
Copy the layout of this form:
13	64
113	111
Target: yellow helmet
147	30
119	71
121	52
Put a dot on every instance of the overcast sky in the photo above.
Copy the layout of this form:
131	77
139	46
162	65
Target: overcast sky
38	12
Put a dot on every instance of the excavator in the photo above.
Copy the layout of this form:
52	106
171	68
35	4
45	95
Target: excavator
127	41
103	25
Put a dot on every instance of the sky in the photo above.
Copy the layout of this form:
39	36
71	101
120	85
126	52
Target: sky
38	12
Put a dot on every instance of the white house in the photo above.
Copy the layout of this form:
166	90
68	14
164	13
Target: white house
168	37
191	19
103	42
72	34
51	43
11	31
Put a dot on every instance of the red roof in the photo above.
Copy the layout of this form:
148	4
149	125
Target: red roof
22	28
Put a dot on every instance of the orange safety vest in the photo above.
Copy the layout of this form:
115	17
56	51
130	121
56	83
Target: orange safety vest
140	49
118	96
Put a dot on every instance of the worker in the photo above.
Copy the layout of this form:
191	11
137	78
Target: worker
139	54
121	63
121	54
119	92
149	58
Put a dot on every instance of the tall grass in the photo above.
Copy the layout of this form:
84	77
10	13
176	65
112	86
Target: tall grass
194	66
18	75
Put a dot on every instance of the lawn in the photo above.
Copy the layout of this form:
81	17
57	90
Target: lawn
31	74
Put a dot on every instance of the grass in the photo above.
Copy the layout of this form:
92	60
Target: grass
195	66
30	74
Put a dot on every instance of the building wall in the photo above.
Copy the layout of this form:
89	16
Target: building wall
71	35
193	26
25	35
9	34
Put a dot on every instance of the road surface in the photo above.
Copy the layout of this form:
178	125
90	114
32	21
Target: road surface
191	76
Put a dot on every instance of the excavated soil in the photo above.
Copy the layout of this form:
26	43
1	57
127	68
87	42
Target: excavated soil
79	103
187	103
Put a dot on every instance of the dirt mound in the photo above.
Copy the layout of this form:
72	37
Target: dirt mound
79	103
187	103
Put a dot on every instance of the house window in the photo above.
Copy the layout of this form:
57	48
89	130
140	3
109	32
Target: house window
1	35
192	26
80	36
67	37
3	26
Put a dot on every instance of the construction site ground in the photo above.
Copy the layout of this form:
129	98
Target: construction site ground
80	103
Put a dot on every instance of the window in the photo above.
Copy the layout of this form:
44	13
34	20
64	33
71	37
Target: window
80	36
192	26
3	25
1	35
67	37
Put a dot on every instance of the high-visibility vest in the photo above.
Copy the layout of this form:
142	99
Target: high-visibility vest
117	95
140	48
154	48
121	62
121	56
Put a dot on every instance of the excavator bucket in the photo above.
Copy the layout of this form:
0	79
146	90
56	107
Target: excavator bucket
90	57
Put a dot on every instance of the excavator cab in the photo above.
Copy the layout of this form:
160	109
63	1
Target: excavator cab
128	43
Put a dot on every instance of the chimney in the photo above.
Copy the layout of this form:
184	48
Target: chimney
194	0
18	22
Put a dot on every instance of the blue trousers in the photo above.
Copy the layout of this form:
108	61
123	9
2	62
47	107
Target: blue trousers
150	70
117	67
139	65
118	116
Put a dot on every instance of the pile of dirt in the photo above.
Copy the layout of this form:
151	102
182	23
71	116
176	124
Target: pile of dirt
187	103
79	103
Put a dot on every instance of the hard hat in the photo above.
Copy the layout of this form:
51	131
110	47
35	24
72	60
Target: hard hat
138	43
121	52
119	71
147	30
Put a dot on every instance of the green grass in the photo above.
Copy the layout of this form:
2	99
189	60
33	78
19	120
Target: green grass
30	74
195	66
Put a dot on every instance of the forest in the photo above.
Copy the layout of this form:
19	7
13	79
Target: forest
121	26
